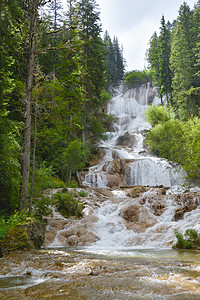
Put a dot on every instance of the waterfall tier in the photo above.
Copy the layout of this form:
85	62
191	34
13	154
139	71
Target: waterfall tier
125	161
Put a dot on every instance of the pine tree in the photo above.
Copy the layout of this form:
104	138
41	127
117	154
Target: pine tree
183	62
91	65
164	48
158	56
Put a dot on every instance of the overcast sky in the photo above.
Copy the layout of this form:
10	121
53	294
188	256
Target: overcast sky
134	22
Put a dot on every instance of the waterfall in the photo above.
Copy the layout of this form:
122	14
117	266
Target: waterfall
126	162
147	220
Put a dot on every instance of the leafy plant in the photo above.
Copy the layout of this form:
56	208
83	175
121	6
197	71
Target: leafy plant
135	78
156	114
5	224
190	240
41	207
67	205
45	178
83	194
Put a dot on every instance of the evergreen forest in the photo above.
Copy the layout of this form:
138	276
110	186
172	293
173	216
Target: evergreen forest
56	74
174	64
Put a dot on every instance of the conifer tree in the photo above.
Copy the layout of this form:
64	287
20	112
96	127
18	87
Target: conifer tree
10	41
91	65
183	62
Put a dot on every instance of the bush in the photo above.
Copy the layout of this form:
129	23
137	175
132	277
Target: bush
191	240
41	207
178	141
136	78
67	205
83	194
166	140
6	224
45	178
156	114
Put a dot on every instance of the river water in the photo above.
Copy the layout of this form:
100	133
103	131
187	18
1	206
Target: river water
123	263
120	274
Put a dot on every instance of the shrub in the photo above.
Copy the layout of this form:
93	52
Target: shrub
191	240
83	194
41	207
67	205
6	224
136	78
45	178
156	114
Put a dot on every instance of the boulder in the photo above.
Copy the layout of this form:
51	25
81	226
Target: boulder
179	213
26	236
136	191
137	218
126	140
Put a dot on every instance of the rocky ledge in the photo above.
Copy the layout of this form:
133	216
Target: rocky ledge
26	236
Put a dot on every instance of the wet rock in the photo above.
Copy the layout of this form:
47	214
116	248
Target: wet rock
130	213
137	218
178	215
136	191
126	140
72	240
113	181
157	207
26	236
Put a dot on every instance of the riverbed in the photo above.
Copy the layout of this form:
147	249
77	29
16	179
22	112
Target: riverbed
86	273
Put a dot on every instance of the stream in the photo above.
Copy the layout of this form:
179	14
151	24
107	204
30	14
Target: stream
121	248
80	274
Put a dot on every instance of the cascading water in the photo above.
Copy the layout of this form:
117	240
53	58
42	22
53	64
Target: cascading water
126	161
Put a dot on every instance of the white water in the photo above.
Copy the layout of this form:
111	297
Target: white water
126	142
113	234
142	169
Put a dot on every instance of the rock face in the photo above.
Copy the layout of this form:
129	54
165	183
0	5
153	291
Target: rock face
26	236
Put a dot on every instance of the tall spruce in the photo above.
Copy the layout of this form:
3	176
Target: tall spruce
115	62
91	65
33	6
158	56
165	74
183	61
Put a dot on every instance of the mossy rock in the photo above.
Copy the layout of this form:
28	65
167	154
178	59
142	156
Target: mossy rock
136	191
26	236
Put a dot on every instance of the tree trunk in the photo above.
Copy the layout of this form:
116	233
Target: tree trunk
34	151
28	100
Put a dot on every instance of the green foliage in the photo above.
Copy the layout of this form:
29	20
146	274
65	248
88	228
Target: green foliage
156	114
83	194
190	240
10	176
7	223
180	142
45	178
136	78
75	156
166	140
41	207
173	58
114	62
67	205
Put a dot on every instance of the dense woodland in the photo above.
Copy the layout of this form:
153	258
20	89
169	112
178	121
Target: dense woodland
174	64
56	72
